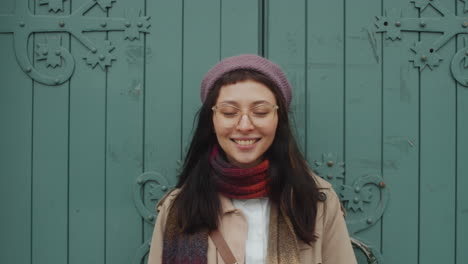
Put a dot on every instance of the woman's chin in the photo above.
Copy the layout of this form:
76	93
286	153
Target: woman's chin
245	162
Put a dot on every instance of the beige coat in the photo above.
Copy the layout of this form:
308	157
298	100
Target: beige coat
332	247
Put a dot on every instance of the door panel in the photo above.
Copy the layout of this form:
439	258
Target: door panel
400	144
98	103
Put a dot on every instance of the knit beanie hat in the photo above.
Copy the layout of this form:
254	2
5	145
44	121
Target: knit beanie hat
247	62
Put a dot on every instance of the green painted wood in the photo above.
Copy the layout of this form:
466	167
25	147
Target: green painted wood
400	144
124	134
285	44
240	35
7	7
461	181
437	157
363	107
163	100
15	154
461	228
325	84
87	155
50	160
163	94
201	49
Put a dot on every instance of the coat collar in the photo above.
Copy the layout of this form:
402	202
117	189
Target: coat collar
226	204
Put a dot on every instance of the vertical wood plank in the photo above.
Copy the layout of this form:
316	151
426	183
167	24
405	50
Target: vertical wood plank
124	154
50	158
87	153
285	44
461	181
437	156
363	106
15	154
201	49
239	36
462	175
163	93
325	94
163	102
400	143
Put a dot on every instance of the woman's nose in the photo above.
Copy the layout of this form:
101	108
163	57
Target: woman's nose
245	123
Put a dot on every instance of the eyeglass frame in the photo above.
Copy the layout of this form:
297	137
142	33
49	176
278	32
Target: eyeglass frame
274	107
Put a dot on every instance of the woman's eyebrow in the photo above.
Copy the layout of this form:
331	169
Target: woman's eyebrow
254	103
260	102
231	102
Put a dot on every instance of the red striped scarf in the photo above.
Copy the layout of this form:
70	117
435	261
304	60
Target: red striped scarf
237	183
233	182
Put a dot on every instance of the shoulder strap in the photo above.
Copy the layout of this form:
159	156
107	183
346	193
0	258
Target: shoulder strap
222	247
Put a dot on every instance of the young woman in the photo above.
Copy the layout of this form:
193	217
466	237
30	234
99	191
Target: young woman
245	179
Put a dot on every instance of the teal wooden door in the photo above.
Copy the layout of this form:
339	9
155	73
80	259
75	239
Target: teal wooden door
381	111
98	98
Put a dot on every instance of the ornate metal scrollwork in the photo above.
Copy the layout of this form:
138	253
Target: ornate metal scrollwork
142	252
148	189
355	197
23	23
425	53
372	255
330	169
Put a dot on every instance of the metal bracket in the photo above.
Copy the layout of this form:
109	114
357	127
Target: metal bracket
142	251
426	54
359	193
330	169
23	23
373	255
354	197
148	189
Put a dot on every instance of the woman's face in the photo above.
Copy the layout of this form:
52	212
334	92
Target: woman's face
245	134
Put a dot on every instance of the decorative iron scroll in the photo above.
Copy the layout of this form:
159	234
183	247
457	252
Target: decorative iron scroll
426	54
23	23
142	252
148	189
354	198
372	255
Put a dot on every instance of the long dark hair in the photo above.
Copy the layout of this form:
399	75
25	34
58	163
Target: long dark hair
291	186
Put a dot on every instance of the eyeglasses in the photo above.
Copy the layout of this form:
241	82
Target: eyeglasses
259	115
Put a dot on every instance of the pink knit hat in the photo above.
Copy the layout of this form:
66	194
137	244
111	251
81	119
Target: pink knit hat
247	62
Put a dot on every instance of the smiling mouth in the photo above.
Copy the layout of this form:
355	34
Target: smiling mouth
245	142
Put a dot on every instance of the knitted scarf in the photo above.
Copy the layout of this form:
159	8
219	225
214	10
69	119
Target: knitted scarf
179	248
239	183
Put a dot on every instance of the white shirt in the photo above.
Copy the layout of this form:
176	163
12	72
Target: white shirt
257	212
